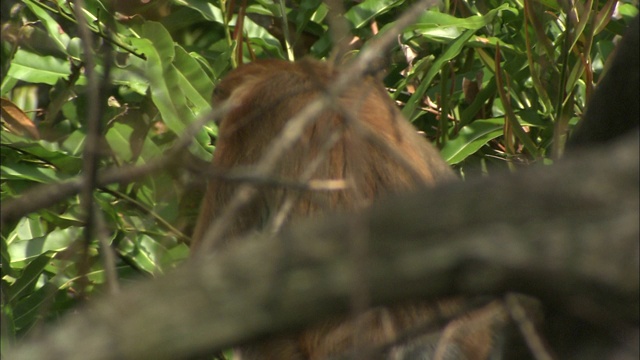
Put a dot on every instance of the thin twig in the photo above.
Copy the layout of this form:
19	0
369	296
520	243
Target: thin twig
93	124
285	31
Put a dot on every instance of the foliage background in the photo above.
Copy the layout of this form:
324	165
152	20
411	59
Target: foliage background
512	78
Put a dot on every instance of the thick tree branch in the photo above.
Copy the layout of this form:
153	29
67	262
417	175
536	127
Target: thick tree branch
567	234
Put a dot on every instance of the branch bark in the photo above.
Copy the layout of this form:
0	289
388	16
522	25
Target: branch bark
566	234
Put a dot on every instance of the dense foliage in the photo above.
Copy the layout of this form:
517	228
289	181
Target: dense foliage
494	83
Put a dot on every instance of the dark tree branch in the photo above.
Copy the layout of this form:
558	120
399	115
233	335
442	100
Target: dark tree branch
614	108
567	235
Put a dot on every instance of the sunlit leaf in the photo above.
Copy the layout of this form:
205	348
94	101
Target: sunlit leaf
30	67
471	138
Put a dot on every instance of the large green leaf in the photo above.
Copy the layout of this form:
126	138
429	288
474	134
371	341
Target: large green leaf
143	251
26	283
442	27
57	240
194	81
119	139
434	19
452	51
362	13
166	87
31	67
129	75
44	150
206	8
58	37
471	138
30	172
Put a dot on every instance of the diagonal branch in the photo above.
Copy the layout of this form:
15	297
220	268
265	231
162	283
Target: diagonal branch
567	235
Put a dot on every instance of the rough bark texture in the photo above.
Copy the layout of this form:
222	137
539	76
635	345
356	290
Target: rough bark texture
566	234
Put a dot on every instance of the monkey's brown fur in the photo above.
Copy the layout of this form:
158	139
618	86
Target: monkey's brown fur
269	93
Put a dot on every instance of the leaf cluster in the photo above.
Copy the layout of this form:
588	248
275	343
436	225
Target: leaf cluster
495	84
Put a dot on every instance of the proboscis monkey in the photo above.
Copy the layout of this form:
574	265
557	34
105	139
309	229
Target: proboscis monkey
268	94
360	138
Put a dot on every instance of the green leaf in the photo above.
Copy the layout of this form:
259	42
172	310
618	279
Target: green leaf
452	51
58	37
206	8
141	250
27	311
194	81
74	143
433	20
471	138
130	75
362	13
269	46
159	192
627	10
57	240
34	68
8	83
30	172
167	92
44	150
29	227
26	283
150	151
481	99
7	269
119	139
604	16
176	256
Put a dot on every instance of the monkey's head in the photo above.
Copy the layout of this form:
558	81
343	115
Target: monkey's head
265	93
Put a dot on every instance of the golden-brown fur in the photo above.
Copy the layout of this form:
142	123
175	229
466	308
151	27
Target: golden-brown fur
355	141
269	93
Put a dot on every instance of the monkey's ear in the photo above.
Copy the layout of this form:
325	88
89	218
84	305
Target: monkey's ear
234	84
614	108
